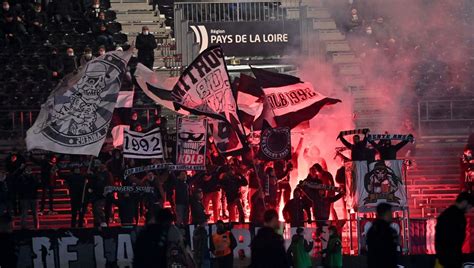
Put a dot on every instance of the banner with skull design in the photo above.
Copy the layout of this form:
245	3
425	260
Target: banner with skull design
76	116
191	141
374	183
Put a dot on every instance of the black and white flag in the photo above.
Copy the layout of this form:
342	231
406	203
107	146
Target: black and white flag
156	87
291	100
204	89
143	145
76	116
121	116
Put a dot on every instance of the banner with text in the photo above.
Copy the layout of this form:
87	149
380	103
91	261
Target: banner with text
191	141
249	38
143	145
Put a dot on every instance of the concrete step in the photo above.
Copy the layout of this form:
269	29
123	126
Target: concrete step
130	6
343	57
318	13
324	24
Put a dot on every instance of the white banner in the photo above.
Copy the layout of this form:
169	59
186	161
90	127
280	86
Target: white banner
291	98
143	145
191	141
379	182
76	116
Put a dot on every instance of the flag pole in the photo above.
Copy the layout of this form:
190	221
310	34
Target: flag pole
81	210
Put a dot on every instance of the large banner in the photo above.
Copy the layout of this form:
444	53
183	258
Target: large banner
371	184
204	89
250	38
291	100
191	141
113	247
143	145
76	116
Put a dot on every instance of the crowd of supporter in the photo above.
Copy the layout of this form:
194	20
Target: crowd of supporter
238	188
42	41
427	51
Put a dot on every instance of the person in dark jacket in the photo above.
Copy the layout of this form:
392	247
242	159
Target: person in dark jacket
358	147
37	20
202	256
209	184
76	182
295	209
49	173
97	182
198	214
62	10
181	197
146	44
382	240
14	31
451	231
268	249
8	256
70	61
14	166
387	150
257	205
151	245
230	182
100	29
55	65
27	194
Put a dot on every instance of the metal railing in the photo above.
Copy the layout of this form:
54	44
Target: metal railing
228	10
448	117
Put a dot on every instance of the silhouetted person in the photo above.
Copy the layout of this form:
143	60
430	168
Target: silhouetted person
8	257
358	147
451	231
295	209
382	240
387	150
267	247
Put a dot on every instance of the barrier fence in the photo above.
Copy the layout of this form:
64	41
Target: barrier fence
102	248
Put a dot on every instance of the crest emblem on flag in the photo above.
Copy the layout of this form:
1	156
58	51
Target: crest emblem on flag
76	116
275	143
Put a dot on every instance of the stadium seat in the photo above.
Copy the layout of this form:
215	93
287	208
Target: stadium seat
120	38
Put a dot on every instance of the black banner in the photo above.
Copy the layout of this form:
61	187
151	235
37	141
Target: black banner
249	38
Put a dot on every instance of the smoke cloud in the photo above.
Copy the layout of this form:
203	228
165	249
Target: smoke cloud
416	49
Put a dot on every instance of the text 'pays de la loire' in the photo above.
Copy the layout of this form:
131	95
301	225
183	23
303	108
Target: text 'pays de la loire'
250	38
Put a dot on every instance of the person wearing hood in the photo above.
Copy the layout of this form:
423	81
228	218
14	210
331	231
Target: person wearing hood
268	249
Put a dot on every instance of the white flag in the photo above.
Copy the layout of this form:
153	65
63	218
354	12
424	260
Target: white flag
76	116
143	145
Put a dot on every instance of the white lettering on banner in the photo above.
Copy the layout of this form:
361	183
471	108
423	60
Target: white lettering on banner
217	38
124	251
100	260
42	249
66	256
293	97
